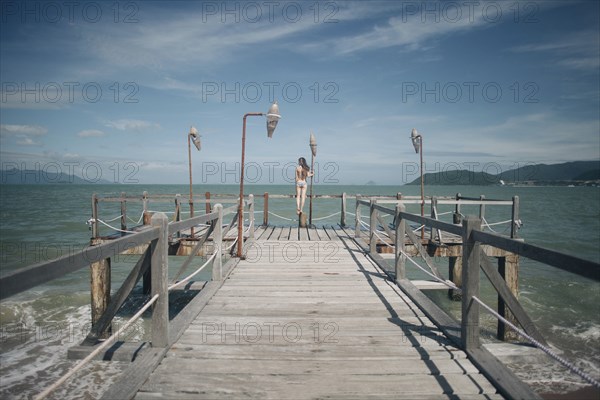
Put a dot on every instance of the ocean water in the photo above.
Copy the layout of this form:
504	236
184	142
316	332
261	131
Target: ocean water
41	222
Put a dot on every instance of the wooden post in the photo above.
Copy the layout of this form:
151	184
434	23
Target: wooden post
455	275
94	216
398	197
177	208
514	228
147	278
399	244
432	230
372	226
470	278
266	209
357	227
456	217
146	217
100	289
302	220
123	214
251	218
207	196
160	277
217	269
482	208
508	267
343	216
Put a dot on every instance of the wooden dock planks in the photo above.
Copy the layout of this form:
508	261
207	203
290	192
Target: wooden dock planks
312	318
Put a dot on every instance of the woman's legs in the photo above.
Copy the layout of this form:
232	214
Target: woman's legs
303	190
298	195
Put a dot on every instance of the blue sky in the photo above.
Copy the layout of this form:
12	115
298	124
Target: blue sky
110	89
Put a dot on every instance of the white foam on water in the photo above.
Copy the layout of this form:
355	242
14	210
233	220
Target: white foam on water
34	353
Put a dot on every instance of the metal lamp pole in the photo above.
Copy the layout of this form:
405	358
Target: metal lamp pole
313	149
192	136
417	141
272	119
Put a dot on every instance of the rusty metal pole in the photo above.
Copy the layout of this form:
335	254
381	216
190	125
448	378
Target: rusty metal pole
422	186
191	199
241	203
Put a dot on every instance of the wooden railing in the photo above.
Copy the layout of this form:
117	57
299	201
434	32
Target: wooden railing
154	259
474	260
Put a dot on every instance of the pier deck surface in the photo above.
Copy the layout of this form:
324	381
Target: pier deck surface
308	315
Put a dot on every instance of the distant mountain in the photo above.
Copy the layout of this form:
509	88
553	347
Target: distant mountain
533	174
40	177
569	171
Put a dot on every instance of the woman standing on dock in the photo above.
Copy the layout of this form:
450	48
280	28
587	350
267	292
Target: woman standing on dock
302	172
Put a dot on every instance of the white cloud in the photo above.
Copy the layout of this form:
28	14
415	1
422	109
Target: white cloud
32	130
90	133
27	141
131	125
579	50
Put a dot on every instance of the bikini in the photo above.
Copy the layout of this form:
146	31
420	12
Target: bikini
300	184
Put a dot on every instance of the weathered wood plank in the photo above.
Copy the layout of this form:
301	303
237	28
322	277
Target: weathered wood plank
313	351
294	235
318	385
303	234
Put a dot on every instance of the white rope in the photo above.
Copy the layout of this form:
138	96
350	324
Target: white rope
445	213
249	226
447	283
279	216
545	349
329	216
115	218
418	229
138	221
112	227
181	282
364	224
495	223
348	212
232	244
97	350
383	240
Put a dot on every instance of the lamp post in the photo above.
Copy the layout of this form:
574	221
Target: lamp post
192	137
417	141
313	150
272	119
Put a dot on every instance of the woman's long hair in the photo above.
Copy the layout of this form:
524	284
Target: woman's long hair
305	168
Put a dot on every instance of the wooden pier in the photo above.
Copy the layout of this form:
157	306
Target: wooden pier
307	312
312	318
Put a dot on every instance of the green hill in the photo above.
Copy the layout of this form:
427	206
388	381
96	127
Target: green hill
534	173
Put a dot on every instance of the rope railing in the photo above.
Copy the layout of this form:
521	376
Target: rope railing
540	346
139	219
451	285
329	216
97	351
111	340
279	216
232	244
113	228
190	276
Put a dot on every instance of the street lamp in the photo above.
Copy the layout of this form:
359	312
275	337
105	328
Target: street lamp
313	150
273	118
417	141
193	136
